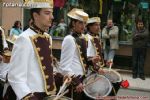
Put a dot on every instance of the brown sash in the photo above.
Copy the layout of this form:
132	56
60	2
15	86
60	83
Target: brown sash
42	46
81	45
98	48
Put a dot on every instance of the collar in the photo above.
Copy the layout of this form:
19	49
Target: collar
36	29
92	34
75	34
109	28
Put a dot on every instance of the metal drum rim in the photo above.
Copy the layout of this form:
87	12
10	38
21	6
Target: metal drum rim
120	78
100	76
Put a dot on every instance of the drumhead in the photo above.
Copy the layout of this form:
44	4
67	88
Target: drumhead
97	85
53	96
112	75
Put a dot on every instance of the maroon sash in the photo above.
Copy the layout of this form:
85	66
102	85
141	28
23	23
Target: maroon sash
42	46
97	43
81	44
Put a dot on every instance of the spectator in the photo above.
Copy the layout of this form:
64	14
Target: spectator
140	40
52	29
110	41
61	28
16	29
58	6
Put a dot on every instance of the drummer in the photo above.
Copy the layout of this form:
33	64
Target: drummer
94	42
74	60
95	47
31	66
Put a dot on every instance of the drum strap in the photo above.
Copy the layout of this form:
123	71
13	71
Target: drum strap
42	47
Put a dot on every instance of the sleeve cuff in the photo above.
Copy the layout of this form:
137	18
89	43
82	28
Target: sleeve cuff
21	90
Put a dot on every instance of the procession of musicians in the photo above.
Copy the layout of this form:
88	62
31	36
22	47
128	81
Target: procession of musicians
29	71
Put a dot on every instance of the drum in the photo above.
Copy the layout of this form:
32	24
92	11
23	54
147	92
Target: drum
112	75
115	78
96	86
53	97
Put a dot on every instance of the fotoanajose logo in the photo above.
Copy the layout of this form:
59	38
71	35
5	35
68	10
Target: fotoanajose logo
30	4
18	4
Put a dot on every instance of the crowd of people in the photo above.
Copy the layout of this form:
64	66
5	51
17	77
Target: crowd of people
30	75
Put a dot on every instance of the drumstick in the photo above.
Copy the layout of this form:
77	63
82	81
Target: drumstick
91	82
62	87
57	97
110	65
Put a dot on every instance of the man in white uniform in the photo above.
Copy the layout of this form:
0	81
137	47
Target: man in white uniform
74	61
31	66
94	42
95	47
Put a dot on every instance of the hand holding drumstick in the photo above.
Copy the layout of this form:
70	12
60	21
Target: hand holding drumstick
67	81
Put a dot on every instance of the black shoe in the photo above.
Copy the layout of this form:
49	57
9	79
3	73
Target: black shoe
134	76
142	77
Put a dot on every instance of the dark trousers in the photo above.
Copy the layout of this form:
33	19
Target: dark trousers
1	91
138	61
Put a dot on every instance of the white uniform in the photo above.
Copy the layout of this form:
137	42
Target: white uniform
25	75
92	49
4	68
70	61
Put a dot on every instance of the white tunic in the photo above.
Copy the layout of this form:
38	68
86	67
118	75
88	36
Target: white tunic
91	49
25	75
3	70
70	62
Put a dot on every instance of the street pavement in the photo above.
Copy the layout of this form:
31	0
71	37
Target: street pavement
138	89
